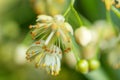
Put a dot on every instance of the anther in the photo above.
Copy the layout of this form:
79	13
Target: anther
43	65
54	26
30	26
69	49
52	51
58	33
33	52
45	26
27	57
36	65
37	42
33	34
44	47
60	52
37	25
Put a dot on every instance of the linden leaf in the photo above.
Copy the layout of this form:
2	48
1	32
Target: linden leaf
73	18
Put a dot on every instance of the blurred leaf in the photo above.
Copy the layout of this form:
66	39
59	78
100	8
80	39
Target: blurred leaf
28	39
73	18
98	75
91	9
116	11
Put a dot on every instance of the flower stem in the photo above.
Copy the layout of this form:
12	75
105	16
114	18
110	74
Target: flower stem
75	48
108	17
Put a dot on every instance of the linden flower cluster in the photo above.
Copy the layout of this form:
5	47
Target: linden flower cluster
53	39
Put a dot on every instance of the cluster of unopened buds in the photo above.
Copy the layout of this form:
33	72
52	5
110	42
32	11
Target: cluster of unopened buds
84	66
52	35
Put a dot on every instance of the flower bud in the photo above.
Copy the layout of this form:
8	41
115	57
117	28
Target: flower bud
93	64
83	36
82	66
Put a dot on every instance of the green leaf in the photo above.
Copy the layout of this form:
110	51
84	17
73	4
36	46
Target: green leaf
73	18
28	39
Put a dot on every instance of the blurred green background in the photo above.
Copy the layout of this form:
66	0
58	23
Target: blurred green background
16	16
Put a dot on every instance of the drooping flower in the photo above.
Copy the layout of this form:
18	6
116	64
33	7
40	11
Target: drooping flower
44	57
53	30
53	38
83	36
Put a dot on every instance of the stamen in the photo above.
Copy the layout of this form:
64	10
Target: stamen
44	31
43	65
57	33
33	52
52	73
54	48
63	35
44	47
41	58
37	42
37	25
59	43
69	49
44	36
44	25
31	26
36	65
51	51
65	51
54	26
47	50
33	55
27	53
60	52
27	57
56	73
33	34
49	37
